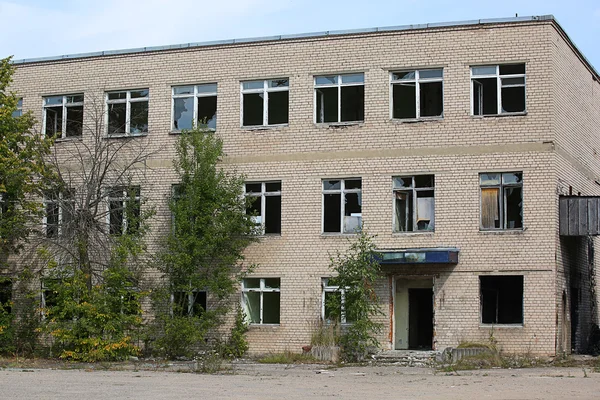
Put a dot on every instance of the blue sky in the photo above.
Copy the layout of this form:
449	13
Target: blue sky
36	28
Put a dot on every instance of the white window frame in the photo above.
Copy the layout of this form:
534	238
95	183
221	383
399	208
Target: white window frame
262	289
128	100
265	90
414	191
197	93
326	288
343	191
59	202
339	86
65	106
124	190
19	109
499	87
263	194
502	211
417	80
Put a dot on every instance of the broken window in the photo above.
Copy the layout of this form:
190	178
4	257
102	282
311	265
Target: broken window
417	94
49	297
501	200
333	302
266	205
123	210
265	102
58	218
414	203
5	295
127	112
261	300
501	299
342	205
340	98
188	303
498	89
19	110
194	106
63	116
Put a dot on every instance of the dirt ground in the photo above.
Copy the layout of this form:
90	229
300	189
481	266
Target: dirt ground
259	381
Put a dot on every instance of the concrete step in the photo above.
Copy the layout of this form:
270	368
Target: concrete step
408	358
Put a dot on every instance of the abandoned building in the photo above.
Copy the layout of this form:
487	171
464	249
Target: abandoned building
471	149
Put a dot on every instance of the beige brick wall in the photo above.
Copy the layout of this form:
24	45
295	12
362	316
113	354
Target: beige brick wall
456	149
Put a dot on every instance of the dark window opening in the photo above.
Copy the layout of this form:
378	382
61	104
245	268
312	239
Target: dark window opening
353	103
6	295
485	96
327	105
54	121
52	219
139	117
273	214
278	108
404	100
501	299
117	117
431	102
265	205
253	109
189	303
207	111
74	121
332	212
513	99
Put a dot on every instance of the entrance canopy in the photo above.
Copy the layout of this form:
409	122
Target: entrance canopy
435	255
579	216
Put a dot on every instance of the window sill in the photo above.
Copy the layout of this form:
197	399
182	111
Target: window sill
68	139
501	326
502	231
264	127
260	327
338	125
126	136
172	132
416	120
413	233
514	114
339	234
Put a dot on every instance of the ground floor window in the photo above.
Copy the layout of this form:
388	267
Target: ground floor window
261	300
333	302
188	303
501	299
5	295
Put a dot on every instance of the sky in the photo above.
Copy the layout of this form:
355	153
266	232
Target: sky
41	28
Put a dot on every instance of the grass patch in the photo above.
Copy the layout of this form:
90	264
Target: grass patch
287	357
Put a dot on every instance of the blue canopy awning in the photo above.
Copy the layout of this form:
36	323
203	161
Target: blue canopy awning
420	256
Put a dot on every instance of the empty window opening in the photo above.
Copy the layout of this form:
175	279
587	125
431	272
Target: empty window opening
124	210
188	303
414	203
127	112
498	89
342	205
501	299
5	295
49	297
339	98
333	302
265	102
63	116
501	200
261	300
194	106
265	205
59	208
417	94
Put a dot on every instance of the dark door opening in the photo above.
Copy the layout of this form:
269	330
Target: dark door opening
574	318
420	319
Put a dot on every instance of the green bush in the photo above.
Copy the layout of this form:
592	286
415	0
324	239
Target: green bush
236	345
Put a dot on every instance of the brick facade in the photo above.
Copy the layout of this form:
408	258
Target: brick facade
555	145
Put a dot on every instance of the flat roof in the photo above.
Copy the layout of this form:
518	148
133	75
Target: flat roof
322	34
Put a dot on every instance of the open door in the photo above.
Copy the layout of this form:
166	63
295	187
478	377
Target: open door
413	311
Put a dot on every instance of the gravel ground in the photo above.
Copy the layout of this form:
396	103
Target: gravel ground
257	381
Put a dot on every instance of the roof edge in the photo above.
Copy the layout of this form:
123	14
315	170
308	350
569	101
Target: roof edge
398	28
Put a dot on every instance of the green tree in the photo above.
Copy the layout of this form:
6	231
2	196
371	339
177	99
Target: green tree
23	169
204	249
357	270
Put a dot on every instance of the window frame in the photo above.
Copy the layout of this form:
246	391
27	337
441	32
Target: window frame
265	90
65	105
414	191
499	77
502	209
263	194
339	86
128	100
59	199
18	112
502	324
342	191
190	301
124	190
417	81
262	289
197	94
326	288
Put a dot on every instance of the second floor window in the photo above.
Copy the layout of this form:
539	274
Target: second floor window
417	94
265	102
123	210
340	98
414	203
63	116
501	200
19	110
194	106
266	206
498	89
127	112
342	205
59	211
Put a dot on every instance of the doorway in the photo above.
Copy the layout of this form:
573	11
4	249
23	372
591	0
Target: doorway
413	310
